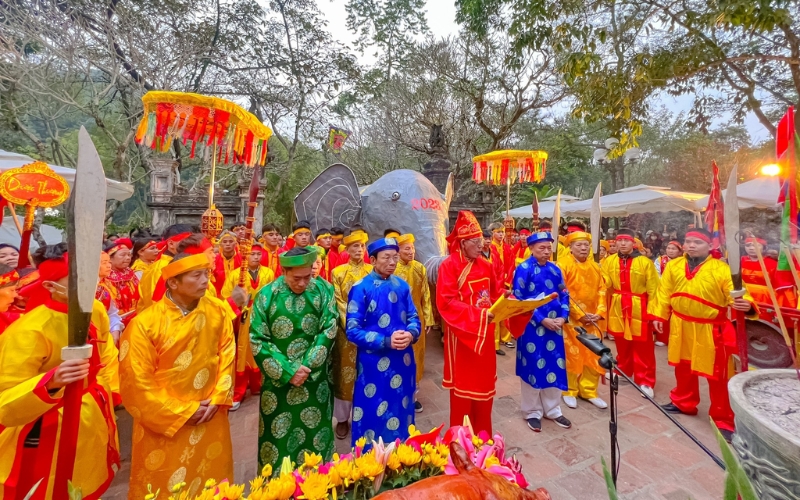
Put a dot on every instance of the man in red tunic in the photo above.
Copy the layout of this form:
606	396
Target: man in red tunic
754	279
465	290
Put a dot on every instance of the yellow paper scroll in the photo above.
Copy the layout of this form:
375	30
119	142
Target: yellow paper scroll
506	307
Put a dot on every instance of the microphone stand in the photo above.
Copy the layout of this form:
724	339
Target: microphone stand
608	362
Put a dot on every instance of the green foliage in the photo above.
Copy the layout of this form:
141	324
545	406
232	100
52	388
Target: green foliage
737	484
388	25
733	57
612	489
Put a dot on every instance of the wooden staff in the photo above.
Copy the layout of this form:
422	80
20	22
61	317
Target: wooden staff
777	307
245	246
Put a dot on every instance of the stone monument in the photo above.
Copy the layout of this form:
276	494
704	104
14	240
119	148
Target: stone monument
171	203
767	438
438	169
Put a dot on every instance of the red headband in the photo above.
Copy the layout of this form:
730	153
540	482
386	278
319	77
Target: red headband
175	239
624	237
699	236
753	239
199	248
676	243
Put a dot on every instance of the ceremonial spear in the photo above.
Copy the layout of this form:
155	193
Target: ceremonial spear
245	247
85	221
535	210
555	225
596	217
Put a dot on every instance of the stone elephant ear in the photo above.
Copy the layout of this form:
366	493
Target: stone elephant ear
449	189
332	199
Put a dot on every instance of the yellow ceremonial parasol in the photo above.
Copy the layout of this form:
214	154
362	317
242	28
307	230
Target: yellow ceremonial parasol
508	166
235	135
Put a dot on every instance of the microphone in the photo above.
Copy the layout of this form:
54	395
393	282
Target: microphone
597	347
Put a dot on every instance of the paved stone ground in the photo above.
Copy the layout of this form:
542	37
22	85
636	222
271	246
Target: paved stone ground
658	460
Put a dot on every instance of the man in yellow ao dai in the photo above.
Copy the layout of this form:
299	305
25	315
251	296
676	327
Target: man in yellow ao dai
176	367
344	351
414	273
587	292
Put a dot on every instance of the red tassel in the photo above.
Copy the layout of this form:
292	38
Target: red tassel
504	171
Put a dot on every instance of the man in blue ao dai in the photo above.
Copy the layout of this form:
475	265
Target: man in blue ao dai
541	363
382	322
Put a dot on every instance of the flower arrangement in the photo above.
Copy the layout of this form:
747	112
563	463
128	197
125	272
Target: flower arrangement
367	470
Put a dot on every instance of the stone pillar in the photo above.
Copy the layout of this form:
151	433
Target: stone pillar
767	439
162	187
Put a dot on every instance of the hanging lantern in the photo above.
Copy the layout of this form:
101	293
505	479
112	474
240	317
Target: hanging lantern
211	223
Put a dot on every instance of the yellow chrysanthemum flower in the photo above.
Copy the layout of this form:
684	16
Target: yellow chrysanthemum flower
315	487
443	450
412	431
257	483
311	460
361	442
231	491
438	461
178	487
492	460
267	470
210	484
368	466
408	455
393	462
280	488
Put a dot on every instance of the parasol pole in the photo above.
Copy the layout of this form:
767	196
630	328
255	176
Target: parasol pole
213	171
25	243
12	209
508	196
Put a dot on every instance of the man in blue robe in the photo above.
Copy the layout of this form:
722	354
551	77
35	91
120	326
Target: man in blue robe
382	322
541	363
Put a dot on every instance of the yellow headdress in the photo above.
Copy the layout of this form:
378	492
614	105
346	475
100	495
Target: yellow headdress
357	236
405	238
577	236
186	264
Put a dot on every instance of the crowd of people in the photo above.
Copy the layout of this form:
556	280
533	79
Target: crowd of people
328	327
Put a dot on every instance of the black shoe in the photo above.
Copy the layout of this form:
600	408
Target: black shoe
728	435
500	353
563	421
509	344
671	408
535	424
417	407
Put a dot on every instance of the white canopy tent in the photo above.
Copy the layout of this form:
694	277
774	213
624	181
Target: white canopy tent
761	192
636	200
546	206
115	190
10	235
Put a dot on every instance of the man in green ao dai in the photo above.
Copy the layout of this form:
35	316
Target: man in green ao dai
292	330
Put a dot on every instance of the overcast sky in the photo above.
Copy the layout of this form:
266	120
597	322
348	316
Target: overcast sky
441	21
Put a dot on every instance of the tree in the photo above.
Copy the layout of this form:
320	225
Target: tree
616	55
391	27
68	64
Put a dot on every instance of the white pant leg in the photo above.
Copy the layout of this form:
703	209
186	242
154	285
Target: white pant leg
530	401
342	410
551	402
536	403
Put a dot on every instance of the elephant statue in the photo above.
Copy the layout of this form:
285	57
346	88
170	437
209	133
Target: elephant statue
404	200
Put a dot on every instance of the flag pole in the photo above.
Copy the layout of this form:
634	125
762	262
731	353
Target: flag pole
778	312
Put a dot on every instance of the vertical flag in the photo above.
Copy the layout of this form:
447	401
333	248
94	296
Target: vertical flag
785	152
714	216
